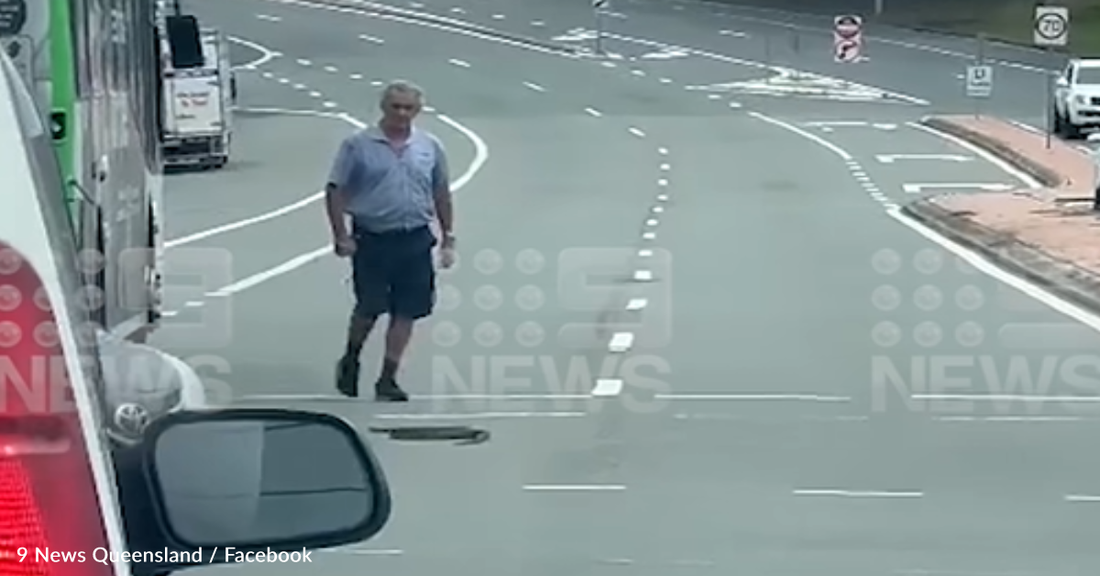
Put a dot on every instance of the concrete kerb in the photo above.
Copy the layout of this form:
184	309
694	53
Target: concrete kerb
1065	279
1041	173
451	23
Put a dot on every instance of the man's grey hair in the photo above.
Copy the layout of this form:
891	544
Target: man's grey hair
402	87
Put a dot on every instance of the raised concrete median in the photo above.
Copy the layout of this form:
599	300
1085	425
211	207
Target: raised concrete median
1049	233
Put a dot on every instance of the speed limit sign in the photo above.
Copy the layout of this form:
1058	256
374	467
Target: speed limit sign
1051	26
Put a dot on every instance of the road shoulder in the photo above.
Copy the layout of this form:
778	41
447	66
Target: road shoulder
1047	234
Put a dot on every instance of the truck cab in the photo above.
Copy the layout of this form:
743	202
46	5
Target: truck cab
1077	98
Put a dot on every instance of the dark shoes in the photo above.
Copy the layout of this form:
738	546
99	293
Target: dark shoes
347	382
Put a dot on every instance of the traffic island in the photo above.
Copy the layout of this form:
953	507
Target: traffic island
1049	234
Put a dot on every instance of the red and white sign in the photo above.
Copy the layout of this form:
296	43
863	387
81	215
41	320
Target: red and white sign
847	38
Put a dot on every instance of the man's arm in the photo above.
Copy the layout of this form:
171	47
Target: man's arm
441	185
336	191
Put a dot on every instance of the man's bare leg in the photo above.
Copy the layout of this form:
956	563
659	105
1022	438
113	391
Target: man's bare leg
398	336
347	369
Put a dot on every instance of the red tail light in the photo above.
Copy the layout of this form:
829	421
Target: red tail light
48	498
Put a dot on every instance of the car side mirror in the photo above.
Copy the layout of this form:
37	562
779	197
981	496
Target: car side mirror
1061	82
260	480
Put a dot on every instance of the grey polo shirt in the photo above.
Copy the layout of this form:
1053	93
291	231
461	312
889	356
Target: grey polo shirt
390	189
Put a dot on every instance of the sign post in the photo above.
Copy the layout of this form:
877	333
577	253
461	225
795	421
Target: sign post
1051	30
847	38
979	82
598	7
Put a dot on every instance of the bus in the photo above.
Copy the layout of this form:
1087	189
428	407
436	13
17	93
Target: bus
95	68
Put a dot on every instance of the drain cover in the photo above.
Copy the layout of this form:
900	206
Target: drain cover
462	435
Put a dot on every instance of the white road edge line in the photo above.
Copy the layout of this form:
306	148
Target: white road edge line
970	257
259	218
266	54
754	397
988	268
574	487
860	493
791	127
481	156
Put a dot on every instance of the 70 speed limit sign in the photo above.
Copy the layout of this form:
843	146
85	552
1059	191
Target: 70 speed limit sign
1051	26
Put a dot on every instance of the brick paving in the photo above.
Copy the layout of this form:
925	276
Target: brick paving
1041	217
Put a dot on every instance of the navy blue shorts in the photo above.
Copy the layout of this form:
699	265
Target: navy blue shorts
393	272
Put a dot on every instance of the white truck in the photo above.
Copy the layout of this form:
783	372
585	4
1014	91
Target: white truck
198	106
1077	98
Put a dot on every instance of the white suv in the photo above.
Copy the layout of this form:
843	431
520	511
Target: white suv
1077	98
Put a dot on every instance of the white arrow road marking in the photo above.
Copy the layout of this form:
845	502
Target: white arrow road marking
918	188
828	125
891	158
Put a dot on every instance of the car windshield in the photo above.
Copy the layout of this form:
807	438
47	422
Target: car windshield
1089	75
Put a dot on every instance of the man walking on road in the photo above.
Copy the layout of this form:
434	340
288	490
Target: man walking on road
392	180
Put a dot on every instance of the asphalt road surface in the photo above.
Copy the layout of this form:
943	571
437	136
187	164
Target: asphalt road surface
769	370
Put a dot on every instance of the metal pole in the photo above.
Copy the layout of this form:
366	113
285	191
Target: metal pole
879	7
981	62
599	31
1049	98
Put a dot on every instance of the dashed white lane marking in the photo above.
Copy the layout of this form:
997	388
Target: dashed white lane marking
284	80
859	493
1081	498
268	75
639	73
315	94
665	80
662	151
268	18
459	63
662	182
574	487
651	222
329	105
606	387
643	275
534	87
636	132
621	342
498	16
593	112
457	10
304	62
299	86
636	304
647	236
331	69
538	23
373	39
355	76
